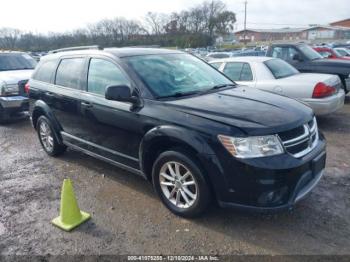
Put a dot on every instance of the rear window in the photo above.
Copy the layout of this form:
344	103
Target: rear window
45	71
238	71
16	61
69	71
280	68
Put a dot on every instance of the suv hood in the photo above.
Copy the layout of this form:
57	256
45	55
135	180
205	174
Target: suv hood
253	111
13	77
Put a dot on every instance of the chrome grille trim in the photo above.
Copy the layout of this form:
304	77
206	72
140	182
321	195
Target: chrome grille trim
310	133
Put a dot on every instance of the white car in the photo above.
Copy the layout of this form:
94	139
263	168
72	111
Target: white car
15	69
322	92
342	51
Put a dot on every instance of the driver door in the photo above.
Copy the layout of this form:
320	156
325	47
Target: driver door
109	128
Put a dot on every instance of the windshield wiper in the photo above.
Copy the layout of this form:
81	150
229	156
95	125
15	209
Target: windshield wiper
221	86
179	94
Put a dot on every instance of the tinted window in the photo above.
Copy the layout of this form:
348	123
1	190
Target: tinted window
103	73
175	74
16	61
246	74
280	69
309	52
325	54
45	71
233	70
68	72
285	53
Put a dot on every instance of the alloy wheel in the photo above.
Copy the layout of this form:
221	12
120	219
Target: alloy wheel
46	136
178	184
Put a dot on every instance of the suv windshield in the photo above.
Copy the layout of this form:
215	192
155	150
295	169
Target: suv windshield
309	52
16	61
176	74
280	68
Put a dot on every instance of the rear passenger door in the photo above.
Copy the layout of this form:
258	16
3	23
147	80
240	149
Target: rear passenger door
64	98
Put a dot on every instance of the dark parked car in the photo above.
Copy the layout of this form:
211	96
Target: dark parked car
180	123
307	60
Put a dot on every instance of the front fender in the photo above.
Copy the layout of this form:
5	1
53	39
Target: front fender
190	138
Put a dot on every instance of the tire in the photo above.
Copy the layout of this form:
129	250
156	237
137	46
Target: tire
344	85
192	186
48	138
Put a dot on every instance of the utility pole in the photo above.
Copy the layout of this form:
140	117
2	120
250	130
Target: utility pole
245	21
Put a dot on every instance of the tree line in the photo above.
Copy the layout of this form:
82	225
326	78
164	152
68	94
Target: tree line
194	27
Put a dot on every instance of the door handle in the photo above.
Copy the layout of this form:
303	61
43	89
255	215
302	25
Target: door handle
87	104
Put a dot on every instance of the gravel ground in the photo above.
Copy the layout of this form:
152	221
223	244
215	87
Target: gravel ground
127	217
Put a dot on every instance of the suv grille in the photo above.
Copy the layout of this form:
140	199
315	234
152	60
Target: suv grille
301	140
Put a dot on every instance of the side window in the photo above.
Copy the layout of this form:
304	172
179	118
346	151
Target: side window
216	65
45	71
103	73
284	53
325	54
233	70
277	52
292	52
246	74
68	72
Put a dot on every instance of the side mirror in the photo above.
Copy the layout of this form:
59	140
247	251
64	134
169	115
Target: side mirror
120	93
297	57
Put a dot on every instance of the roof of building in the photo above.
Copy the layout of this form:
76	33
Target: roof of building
282	30
295	30
341	28
344	20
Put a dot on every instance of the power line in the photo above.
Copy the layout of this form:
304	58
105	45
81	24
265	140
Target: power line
245	18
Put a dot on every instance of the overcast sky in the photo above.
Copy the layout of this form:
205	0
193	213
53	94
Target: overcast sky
64	15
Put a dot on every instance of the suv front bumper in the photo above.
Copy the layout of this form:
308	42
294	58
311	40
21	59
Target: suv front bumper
266	184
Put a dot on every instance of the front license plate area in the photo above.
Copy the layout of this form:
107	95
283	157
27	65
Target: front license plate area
318	164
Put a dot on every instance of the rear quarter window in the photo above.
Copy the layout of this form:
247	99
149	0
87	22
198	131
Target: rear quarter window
45	71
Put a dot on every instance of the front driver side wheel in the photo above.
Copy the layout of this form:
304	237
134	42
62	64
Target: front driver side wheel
180	184
47	137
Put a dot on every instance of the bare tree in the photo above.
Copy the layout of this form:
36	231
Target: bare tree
156	22
9	37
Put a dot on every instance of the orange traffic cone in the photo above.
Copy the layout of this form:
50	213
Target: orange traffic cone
70	214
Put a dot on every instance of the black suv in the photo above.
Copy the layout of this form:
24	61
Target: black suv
178	122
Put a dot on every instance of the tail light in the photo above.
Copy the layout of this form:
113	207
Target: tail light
26	88
322	90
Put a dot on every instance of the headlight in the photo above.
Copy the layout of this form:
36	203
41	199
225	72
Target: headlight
8	89
252	147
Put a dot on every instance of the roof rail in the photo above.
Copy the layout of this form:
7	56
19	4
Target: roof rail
75	48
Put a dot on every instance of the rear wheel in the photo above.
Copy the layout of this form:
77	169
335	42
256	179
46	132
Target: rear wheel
180	184
47	137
